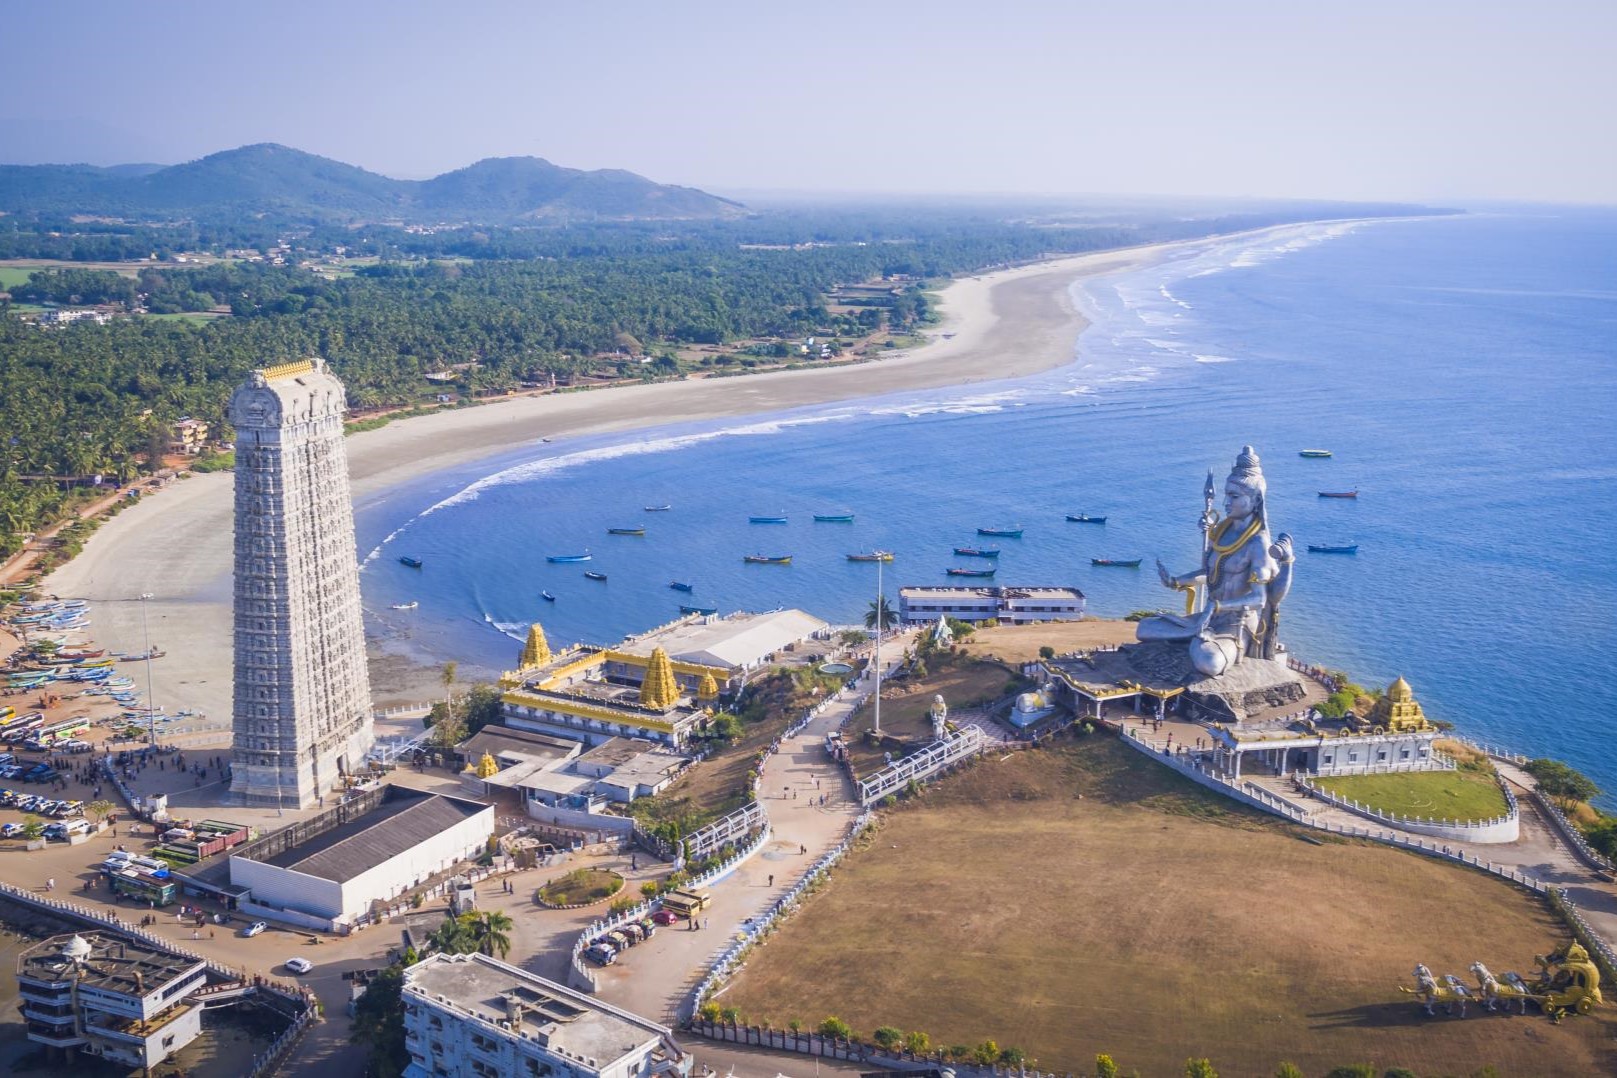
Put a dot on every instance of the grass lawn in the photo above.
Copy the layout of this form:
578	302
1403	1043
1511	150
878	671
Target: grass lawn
1083	899
12	276
581	885
196	318
1445	795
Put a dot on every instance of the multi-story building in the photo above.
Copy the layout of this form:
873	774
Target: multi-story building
1012	605
471	1016
127	1002
302	714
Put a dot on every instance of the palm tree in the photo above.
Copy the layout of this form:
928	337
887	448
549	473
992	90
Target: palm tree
880	615
491	928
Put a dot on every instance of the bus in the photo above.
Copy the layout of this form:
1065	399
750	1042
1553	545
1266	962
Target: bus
686	903
61	731
21	727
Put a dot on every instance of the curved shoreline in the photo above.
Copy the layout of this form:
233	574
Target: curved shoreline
178	548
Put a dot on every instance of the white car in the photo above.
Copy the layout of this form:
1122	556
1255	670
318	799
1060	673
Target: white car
255	928
299	965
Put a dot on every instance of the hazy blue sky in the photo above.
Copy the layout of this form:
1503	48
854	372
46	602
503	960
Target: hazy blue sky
1456	101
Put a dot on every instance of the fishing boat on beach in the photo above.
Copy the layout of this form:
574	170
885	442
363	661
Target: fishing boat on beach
1085	518
411	605
1339	494
1008	533
704	610
1333	548
1314	454
625	531
1116	563
414	563
767	559
874	555
680	585
567	559
547	597
834	518
766	520
973	572
595	576
658	508
977	552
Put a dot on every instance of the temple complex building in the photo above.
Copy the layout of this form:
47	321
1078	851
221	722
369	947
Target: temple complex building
302	710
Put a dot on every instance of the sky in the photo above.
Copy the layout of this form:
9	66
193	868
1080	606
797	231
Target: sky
1426	101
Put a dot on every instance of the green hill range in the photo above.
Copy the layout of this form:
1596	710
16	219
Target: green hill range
267	178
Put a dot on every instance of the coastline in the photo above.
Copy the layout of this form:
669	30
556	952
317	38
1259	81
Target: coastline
177	547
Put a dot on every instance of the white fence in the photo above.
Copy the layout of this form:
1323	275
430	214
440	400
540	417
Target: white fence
967	742
720	833
1506	828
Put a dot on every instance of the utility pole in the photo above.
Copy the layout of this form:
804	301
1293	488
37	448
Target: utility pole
151	703
876	725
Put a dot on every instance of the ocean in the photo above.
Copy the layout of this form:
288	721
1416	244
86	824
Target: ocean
1461	369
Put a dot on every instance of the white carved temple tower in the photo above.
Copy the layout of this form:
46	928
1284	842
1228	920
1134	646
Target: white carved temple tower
302	712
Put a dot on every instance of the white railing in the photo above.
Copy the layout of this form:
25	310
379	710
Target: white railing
929	760
722	832
1504	828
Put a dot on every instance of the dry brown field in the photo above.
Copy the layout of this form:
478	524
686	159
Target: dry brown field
1082	899
1021	643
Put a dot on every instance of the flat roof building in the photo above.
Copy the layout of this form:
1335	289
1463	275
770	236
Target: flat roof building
471	1016
124	1001
1014	605
333	875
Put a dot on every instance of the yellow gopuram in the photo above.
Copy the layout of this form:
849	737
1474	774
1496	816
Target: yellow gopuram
707	688
487	766
536	652
659	690
1397	710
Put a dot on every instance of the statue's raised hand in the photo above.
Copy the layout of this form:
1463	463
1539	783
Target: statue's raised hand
1165	576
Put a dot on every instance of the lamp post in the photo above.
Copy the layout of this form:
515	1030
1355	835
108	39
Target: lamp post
876	723
151	704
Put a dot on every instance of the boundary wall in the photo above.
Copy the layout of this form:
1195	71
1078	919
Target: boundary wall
1506	828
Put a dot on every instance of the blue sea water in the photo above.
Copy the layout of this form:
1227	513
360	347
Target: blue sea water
1462	370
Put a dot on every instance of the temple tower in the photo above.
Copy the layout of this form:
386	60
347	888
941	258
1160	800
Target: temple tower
302	714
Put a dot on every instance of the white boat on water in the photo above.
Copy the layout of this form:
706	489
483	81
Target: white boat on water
406	606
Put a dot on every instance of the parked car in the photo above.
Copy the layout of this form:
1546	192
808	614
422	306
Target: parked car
665	917
298	965
620	939
600	955
633	930
10	830
647	927
255	928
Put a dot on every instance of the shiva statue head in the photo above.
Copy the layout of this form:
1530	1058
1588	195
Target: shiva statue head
1245	489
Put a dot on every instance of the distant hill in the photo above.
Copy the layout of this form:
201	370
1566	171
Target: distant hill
267	178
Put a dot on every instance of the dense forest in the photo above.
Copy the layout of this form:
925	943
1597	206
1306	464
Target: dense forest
501	308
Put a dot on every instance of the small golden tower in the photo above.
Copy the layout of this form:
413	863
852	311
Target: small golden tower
707	688
486	766
536	652
659	690
1397	710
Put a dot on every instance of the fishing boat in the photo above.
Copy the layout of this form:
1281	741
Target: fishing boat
1314	454
1339	494
766	520
595	576
547	597
567	559
411	605
977	552
1330	548
680	585
973	572
414	563
874	555
767	559
705	610
1009	533
1116	563
1085	518
658	508
625	531
834	518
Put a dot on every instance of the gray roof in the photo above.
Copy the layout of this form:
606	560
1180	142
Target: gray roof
404	819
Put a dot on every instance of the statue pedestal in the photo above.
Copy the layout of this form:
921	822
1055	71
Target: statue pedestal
1248	687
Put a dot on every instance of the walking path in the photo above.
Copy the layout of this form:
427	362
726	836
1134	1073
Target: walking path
655	978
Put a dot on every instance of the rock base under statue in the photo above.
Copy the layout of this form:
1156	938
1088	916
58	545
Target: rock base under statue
1248	687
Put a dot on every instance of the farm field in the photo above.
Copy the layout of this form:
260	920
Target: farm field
1081	899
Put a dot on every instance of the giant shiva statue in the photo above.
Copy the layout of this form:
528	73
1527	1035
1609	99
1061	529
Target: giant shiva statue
1235	594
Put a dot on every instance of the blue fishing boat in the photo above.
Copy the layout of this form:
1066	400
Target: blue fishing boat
1329	548
679	585
658	508
567	559
1085	518
834	518
708	610
595	576
414	563
1009	533
625	531
547	597
766	520
973	572
977	552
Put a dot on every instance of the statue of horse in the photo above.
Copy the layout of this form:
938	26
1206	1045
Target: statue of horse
1493	993
1432	993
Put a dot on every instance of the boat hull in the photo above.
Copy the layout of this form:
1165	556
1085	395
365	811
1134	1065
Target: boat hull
567	559
875	555
1113	563
974	573
833	518
764	559
1338	494
977	552
1085	518
766	520
1006	533
705	610
1351	548
1315	454
679	586
413	563
625	531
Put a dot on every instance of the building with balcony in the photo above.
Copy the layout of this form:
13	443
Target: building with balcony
1008	605
126	1002
471	1016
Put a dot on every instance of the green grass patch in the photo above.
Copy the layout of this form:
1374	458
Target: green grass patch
580	886
1443	795
196	318
215	462
12	276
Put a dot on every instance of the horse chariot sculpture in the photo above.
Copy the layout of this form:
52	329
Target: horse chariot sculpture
1568	982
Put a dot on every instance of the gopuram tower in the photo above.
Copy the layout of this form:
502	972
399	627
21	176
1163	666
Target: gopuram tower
302	714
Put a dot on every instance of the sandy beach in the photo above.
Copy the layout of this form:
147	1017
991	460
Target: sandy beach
176	546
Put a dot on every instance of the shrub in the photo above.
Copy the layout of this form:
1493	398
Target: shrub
958	1051
1288	1070
708	1012
649	889
985	1053
795	1025
1012	1057
621	904
835	1027
1400	1072
1105	1066
1353	1070
917	1043
1047	652
888	1036
730	1016
1200	1068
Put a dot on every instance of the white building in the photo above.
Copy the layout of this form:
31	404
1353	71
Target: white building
126	1002
1012	605
471	1016
333	877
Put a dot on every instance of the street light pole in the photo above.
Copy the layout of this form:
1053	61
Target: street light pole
151	704
876	725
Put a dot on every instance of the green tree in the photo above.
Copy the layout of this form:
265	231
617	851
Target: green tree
880	614
888	1036
100	809
1353	1070
481	707
709	1011
1558	780
1047	652
833	1026
32	827
492	931
985	1053
1012	1056
379	1023
1288	1070
917	1043
1200	1068
1105	1066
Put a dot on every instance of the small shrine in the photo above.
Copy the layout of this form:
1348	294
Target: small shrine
1398	711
